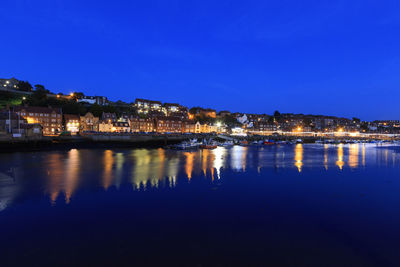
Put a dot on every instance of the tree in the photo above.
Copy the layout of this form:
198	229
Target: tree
39	87
277	114
39	96
96	110
25	86
194	110
230	121
78	95
356	120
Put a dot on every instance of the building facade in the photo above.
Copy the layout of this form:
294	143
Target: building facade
121	127
72	123
145	106
105	126
49	118
168	125
89	123
142	124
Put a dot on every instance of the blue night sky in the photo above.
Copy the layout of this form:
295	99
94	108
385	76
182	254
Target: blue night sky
321	57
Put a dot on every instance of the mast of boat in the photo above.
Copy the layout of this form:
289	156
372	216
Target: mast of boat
9	121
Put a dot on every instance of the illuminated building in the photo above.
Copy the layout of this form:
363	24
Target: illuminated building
207	112
189	126
72	123
9	84
89	122
145	106
262	128
49	118
141	124
105	126
168	125
121	127
99	100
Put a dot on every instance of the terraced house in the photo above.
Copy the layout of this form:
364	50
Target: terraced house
142	124
168	125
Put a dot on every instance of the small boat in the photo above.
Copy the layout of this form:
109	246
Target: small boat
244	143
298	141
208	145
257	143
226	144
269	142
192	144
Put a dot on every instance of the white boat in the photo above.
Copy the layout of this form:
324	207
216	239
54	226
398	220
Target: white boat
191	144
226	144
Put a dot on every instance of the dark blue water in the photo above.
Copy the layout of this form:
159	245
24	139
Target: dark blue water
291	205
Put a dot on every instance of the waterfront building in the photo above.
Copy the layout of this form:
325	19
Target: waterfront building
71	123
10	122
89	122
49	118
205	128
189	126
168	125
105	126
120	127
32	129
263	128
141	124
238	131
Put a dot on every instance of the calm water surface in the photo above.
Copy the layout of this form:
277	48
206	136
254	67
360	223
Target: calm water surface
303	205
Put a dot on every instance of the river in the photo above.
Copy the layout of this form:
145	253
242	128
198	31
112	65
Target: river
303	205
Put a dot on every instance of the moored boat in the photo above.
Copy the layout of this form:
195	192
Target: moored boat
226	144
192	144
244	143
269	142
208	146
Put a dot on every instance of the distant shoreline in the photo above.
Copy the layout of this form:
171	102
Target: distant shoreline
49	143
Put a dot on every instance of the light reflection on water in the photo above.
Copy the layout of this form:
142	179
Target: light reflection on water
66	172
298	156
